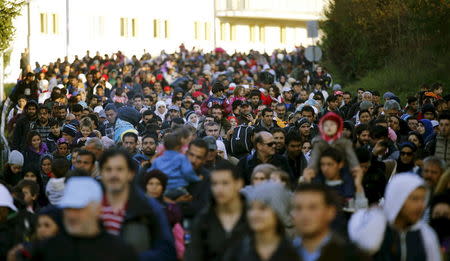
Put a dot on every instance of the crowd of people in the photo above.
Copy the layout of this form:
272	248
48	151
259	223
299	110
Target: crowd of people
210	156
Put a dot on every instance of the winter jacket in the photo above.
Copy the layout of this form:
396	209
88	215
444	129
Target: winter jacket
11	178
20	133
208	103
373	231
245	251
209	240
146	228
177	167
248	163
120	128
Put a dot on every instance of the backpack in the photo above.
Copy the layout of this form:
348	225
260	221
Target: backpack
240	142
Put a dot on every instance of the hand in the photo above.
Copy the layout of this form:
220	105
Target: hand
358	175
379	148
308	175
13	252
184	198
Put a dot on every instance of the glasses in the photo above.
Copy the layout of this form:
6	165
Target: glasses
270	144
404	153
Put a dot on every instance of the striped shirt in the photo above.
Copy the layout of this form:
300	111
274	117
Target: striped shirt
112	220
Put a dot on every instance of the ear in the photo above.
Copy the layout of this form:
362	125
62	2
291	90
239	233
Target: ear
240	183
341	164
331	213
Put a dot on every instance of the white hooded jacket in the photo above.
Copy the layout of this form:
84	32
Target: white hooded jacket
367	227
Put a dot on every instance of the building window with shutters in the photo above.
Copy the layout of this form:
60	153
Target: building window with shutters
123	27
233	32
166	29
133	27
252	33
155	28
196	32
262	34
55	24
207	31
283	35
44	23
223	28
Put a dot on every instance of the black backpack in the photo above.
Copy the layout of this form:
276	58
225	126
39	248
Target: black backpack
240	142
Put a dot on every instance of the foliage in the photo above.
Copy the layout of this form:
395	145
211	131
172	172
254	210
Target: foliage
8	11
365	35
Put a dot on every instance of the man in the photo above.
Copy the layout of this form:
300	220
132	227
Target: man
440	145
308	113
395	231
280	109
41	124
138	102
60	114
294	154
27	87
173	112
127	212
264	153
347	97
266	122
333	105
224	125
433	168
149	143
69	132
84	237
111	116
212	158
23	126
77	110
303	126
129	142
392	108
95	146
279	135
362	136
147	117
314	209
245	117
374	180
224	222
212	129
86	161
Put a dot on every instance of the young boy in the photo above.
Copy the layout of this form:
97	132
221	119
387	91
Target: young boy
55	186
176	166
54	135
30	190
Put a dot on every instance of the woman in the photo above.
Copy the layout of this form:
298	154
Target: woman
161	110
364	117
46	168
425	128
415	138
35	149
192	119
406	160
268	216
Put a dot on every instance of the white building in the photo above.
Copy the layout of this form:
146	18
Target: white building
52	29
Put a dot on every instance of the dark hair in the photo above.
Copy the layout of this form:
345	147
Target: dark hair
151	137
30	136
329	196
263	112
199	143
130	134
115	152
43	107
293	136
87	153
332	98
307	109
77	173
53	122
31	185
60	166
364	111
412	99
76	108
444	116
217	87
138	96
363	155
172	141
332	153
155	173
378	132
227	166
147	112
277	130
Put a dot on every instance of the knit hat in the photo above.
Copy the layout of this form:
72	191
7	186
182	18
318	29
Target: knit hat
388	95
302	121
275	196
111	107
188	114
15	158
129	114
337	87
365	105
69	129
408	144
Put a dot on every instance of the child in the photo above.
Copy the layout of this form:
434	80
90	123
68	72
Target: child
86	129
281	177
30	190
120	96
36	148
54	135
55	186
176	165
13	170
62	149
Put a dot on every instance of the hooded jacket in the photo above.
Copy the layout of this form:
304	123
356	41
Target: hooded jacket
372	229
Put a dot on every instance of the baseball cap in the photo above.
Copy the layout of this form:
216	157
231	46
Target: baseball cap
80	191
211	141
174	108
6	200
434	123
286	89
338	93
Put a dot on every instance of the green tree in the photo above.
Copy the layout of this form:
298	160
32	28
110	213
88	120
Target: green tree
8	11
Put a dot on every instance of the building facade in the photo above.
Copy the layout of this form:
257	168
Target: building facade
53	29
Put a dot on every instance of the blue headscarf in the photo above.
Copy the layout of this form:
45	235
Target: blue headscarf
428	128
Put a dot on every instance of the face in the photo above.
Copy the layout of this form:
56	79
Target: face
444	127
85	162
212	131
154	188
86	131
305	129
77	114
429	115
306	147
36	142
138	102
330	128
413	124
233	122
261	218
394	123
258	178
46	227
364	137
217	114
267	146
193	118
28	197
116	174
149	146
406	155
303	95
281	111
421	128
311	215
414	206
224	187
22	103
55	130
255	99
279	139
79	222
31	111
309	115
63	149
197	156
364	118
30	176
414	139
46	166
268	118
15	168
129	143
391	112
432	173
111	116
330	168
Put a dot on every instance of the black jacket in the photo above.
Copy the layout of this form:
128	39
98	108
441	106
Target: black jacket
20	133
297	165
101	247
209	239
245	251
200	192
248	163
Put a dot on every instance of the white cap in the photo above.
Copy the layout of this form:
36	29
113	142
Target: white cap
286	89
6	200
434	123
15	158
80	191
98	109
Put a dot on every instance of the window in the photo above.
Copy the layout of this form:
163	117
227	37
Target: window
252	33
233	32
283	35
262	34
155	28
223	28
207	31
133	27
55	24
196	32
44	23
124	27
166	29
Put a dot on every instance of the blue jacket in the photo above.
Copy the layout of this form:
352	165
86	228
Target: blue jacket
122	127
177	167
146	228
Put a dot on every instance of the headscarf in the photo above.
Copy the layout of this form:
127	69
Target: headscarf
331	116
428	128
